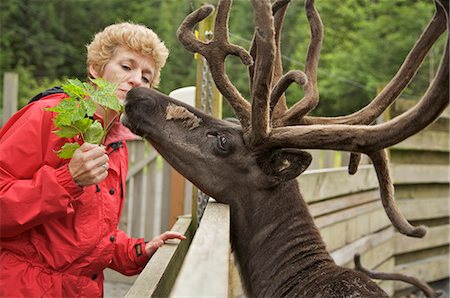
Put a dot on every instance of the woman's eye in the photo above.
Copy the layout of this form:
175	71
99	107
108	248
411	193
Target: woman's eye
145	80
126	67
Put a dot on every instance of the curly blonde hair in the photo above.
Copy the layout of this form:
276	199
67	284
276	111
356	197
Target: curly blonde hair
135	37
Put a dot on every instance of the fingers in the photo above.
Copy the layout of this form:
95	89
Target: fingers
159	241
89	164
172	235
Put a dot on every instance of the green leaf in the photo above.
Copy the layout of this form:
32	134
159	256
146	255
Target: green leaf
68	111
67	132
105	95
75	89
89	106
83	124
67	150
95	133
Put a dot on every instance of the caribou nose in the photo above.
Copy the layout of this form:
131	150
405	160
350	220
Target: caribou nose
136	97
137	94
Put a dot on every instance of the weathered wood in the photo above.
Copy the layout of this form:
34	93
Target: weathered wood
344	202
177	187
10	95
413	174
427	140
347	214
435	237
139	192
160	273
424	208
205	272
387	285
317	185
344	255
142	161
430	269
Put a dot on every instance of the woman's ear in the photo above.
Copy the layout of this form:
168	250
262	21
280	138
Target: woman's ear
93	71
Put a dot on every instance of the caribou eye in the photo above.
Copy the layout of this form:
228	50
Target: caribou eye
222	145
222	142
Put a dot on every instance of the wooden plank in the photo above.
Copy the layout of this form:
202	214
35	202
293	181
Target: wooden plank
425	208
177	188
142	162
149	210
317	185
344	255
427	140
334	235
333	205
346	214
420	174
433	238
345	227
139	192
160	273
386	285
205	272
10	95
430	269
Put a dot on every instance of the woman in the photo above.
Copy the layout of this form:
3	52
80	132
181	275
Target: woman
59	217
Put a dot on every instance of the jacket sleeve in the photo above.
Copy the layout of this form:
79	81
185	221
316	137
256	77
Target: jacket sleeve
35	185
129	256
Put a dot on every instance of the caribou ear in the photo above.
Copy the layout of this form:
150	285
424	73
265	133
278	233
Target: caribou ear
285	164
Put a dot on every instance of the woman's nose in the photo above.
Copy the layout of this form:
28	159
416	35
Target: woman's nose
135	79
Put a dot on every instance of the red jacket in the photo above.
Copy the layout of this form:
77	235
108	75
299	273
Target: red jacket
55	236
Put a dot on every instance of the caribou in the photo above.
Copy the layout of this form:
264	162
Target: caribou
253	166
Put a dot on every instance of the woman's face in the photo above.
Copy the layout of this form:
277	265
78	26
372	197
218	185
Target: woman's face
128	69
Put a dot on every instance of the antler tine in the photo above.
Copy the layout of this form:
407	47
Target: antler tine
262	81
380	162
405	74
423	286
311	97
215	52
185	34
278	11
290	77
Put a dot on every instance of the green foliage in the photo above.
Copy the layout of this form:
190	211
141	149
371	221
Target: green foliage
365	42
74	113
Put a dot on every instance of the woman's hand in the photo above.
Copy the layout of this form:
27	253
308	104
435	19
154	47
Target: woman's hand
89	164
152	246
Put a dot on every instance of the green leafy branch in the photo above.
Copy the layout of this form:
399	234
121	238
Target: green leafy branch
74	114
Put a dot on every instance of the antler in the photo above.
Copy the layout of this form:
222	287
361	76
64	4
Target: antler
215	51
311	97
292	128
372	139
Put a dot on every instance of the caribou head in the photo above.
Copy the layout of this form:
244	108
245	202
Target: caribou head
253	166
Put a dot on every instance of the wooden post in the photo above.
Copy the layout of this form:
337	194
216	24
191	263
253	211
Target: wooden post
205	29
10	94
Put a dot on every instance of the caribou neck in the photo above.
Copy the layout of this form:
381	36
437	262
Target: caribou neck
276	241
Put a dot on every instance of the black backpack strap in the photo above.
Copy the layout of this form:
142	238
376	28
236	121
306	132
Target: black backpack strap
54	90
